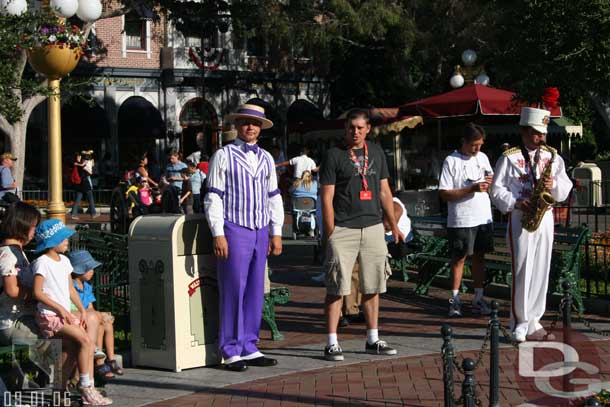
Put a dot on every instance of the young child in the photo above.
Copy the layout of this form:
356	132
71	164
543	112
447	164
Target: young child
186	200
88	162
54	291
144	192
83	268
197	178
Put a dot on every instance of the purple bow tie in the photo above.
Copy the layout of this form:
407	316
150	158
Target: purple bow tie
251	147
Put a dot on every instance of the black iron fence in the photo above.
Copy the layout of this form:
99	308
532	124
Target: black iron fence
467	367
39	196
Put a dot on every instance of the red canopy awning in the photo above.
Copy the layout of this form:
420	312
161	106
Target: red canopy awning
470	100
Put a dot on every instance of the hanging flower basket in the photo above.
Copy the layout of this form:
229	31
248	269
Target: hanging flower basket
54	46
55	61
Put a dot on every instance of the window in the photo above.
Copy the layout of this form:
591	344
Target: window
135	33
193	42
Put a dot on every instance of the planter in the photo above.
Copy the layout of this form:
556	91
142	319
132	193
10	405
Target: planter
54	61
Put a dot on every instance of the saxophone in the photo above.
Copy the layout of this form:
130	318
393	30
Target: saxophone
541	199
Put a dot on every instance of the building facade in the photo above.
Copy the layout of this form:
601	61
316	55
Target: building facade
155	89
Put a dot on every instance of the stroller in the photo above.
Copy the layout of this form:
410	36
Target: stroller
304	216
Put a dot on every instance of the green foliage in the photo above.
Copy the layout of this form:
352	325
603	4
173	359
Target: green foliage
562	43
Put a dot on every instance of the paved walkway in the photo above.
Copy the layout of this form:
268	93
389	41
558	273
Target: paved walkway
303	378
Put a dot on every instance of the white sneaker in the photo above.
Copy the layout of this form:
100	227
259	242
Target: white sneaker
99	354
481	307
520	334
455	307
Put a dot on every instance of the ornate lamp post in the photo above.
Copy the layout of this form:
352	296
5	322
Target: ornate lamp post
56	61
469	72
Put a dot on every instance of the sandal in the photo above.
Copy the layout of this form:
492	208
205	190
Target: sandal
104	371
114	366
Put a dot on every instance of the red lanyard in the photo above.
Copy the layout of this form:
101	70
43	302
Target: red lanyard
361	169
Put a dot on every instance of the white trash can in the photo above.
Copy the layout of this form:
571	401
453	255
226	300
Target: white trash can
173	292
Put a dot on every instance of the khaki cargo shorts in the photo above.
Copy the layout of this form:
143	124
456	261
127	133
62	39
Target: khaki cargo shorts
368	246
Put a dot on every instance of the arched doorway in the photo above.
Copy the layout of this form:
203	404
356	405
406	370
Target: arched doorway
198	115
83	127
302	116
140	127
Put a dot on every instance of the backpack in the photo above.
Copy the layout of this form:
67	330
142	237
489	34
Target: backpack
75	176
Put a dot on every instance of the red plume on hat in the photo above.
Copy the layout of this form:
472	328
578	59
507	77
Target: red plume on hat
550	98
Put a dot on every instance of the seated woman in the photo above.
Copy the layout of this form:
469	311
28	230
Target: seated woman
305	186
17	307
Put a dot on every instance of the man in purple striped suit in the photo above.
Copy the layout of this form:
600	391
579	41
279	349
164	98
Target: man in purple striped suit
243	207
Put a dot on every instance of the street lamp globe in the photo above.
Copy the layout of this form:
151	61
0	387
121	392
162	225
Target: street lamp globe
456	81
89	10
469	57
13	7
64	8
482	79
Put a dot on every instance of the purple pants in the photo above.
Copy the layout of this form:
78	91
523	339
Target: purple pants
241	282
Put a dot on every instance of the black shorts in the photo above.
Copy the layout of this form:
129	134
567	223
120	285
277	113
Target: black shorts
466	241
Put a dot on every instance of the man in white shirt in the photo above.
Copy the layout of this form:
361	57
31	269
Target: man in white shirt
518	171
300	163
243	207
465	179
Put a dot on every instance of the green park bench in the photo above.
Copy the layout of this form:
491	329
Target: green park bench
430	257
111	284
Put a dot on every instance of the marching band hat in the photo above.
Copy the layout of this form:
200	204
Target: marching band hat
538	119
250	111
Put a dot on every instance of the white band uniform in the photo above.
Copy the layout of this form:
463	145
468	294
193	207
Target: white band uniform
530	251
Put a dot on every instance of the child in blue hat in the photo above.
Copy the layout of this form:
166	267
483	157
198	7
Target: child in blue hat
54	290
99	324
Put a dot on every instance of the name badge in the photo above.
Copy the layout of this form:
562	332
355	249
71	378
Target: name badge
366	195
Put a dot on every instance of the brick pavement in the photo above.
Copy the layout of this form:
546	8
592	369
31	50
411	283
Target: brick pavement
409	381
400	381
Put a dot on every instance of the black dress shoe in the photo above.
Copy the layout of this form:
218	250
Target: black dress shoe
343	322
261	361
237	366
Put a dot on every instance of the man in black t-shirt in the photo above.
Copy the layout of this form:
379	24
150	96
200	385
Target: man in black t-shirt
355	193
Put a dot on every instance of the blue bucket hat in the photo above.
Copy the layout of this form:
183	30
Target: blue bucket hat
82	261
51	233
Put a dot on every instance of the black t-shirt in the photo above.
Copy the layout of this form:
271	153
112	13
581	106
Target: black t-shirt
339	170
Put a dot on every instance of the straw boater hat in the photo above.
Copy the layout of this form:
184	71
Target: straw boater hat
538	119
251	112
229	135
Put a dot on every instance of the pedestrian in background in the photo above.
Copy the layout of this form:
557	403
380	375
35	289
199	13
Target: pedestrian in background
197	179
8	185
84	164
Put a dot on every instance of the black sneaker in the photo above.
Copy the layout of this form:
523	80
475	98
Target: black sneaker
343	322
380	348
333	353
